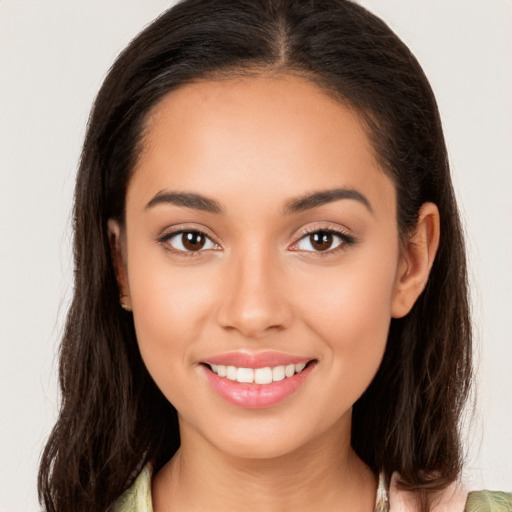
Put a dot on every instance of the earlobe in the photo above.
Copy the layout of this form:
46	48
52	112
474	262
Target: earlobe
418	255
119	261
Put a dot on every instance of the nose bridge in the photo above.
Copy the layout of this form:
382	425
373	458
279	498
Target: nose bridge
253	301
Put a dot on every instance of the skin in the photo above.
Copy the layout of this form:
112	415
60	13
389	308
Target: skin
253	145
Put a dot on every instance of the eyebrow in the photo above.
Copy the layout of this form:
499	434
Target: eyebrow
300	204
315	199
187	199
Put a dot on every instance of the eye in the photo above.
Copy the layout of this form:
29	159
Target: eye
189	241
323	240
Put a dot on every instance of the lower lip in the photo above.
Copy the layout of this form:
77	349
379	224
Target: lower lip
256	396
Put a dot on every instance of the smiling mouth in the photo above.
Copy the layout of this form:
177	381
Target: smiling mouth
258	376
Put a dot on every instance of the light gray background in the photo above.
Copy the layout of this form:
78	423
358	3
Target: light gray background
53	56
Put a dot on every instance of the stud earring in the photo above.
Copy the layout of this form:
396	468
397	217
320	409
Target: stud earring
125	306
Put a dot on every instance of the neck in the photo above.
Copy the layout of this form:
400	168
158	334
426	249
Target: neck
326	471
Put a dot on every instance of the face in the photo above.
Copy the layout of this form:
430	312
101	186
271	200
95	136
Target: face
260	237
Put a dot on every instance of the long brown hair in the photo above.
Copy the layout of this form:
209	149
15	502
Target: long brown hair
113	418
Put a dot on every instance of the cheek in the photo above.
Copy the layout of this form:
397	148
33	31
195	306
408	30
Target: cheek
349	308
170	307
356	293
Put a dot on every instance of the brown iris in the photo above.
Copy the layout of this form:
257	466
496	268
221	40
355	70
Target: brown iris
193	240
321	240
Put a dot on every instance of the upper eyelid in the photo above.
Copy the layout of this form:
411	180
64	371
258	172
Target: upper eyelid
175	230
316	229
341	231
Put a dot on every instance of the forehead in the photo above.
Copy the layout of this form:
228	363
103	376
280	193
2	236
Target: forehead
281	136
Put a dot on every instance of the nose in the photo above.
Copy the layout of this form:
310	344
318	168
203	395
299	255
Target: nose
254	301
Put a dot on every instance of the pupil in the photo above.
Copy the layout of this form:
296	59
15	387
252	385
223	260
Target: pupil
193	241
321	241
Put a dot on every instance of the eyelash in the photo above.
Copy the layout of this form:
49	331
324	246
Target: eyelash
346	241
187	254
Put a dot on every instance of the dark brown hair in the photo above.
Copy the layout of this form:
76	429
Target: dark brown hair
113	418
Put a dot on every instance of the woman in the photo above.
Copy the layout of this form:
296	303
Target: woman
271	301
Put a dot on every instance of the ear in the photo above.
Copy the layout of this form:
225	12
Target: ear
418	254
118	251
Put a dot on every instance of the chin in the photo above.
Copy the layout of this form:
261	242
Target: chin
267	435
260	448
257	435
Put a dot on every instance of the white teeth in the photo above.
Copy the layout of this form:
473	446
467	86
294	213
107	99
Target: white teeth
299	367
259	375
278	373
263	375
231	372
245	375
289	370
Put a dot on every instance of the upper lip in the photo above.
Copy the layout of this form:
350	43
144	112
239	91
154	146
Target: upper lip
256	360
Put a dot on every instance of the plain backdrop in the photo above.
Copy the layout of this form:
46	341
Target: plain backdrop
53	57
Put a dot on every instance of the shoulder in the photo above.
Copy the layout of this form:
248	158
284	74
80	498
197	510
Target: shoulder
489	501
138	497
452	499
